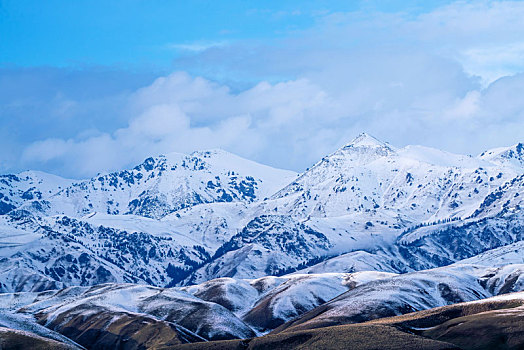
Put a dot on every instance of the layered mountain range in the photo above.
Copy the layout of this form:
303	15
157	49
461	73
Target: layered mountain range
210	246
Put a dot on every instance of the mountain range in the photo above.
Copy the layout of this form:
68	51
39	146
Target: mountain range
211	246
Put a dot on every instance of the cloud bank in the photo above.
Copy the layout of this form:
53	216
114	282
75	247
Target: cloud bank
448	79
294	123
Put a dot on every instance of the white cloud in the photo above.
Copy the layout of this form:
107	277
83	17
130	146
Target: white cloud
196	46
433	79
180	113
293	124
484	36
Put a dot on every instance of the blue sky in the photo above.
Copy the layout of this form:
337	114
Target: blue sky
95	86
149	34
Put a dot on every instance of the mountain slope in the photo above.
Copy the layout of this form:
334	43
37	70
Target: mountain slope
362	198
102	316
498	221
11	339
418	183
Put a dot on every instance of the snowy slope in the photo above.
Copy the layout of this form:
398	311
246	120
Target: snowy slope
15	190
62	251
231	308
505	255
300	293
498	221
513	156
359	261
218	309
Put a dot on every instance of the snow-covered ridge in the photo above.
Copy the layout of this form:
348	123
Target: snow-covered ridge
179	219
164	184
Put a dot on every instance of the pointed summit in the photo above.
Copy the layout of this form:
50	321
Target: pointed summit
362	150
365	139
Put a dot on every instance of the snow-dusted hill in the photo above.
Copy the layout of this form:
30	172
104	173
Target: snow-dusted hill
219	309
101	316
185	219
412	292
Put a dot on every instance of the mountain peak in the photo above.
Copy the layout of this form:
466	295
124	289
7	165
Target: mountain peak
363	149
366	140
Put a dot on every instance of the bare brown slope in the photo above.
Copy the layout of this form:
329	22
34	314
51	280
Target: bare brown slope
357	337
103	329
11	339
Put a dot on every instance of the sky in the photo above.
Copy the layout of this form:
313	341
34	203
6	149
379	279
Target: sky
97	86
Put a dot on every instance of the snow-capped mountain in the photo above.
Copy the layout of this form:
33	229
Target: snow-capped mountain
209	246
185	219
162	185
361	199
372	177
